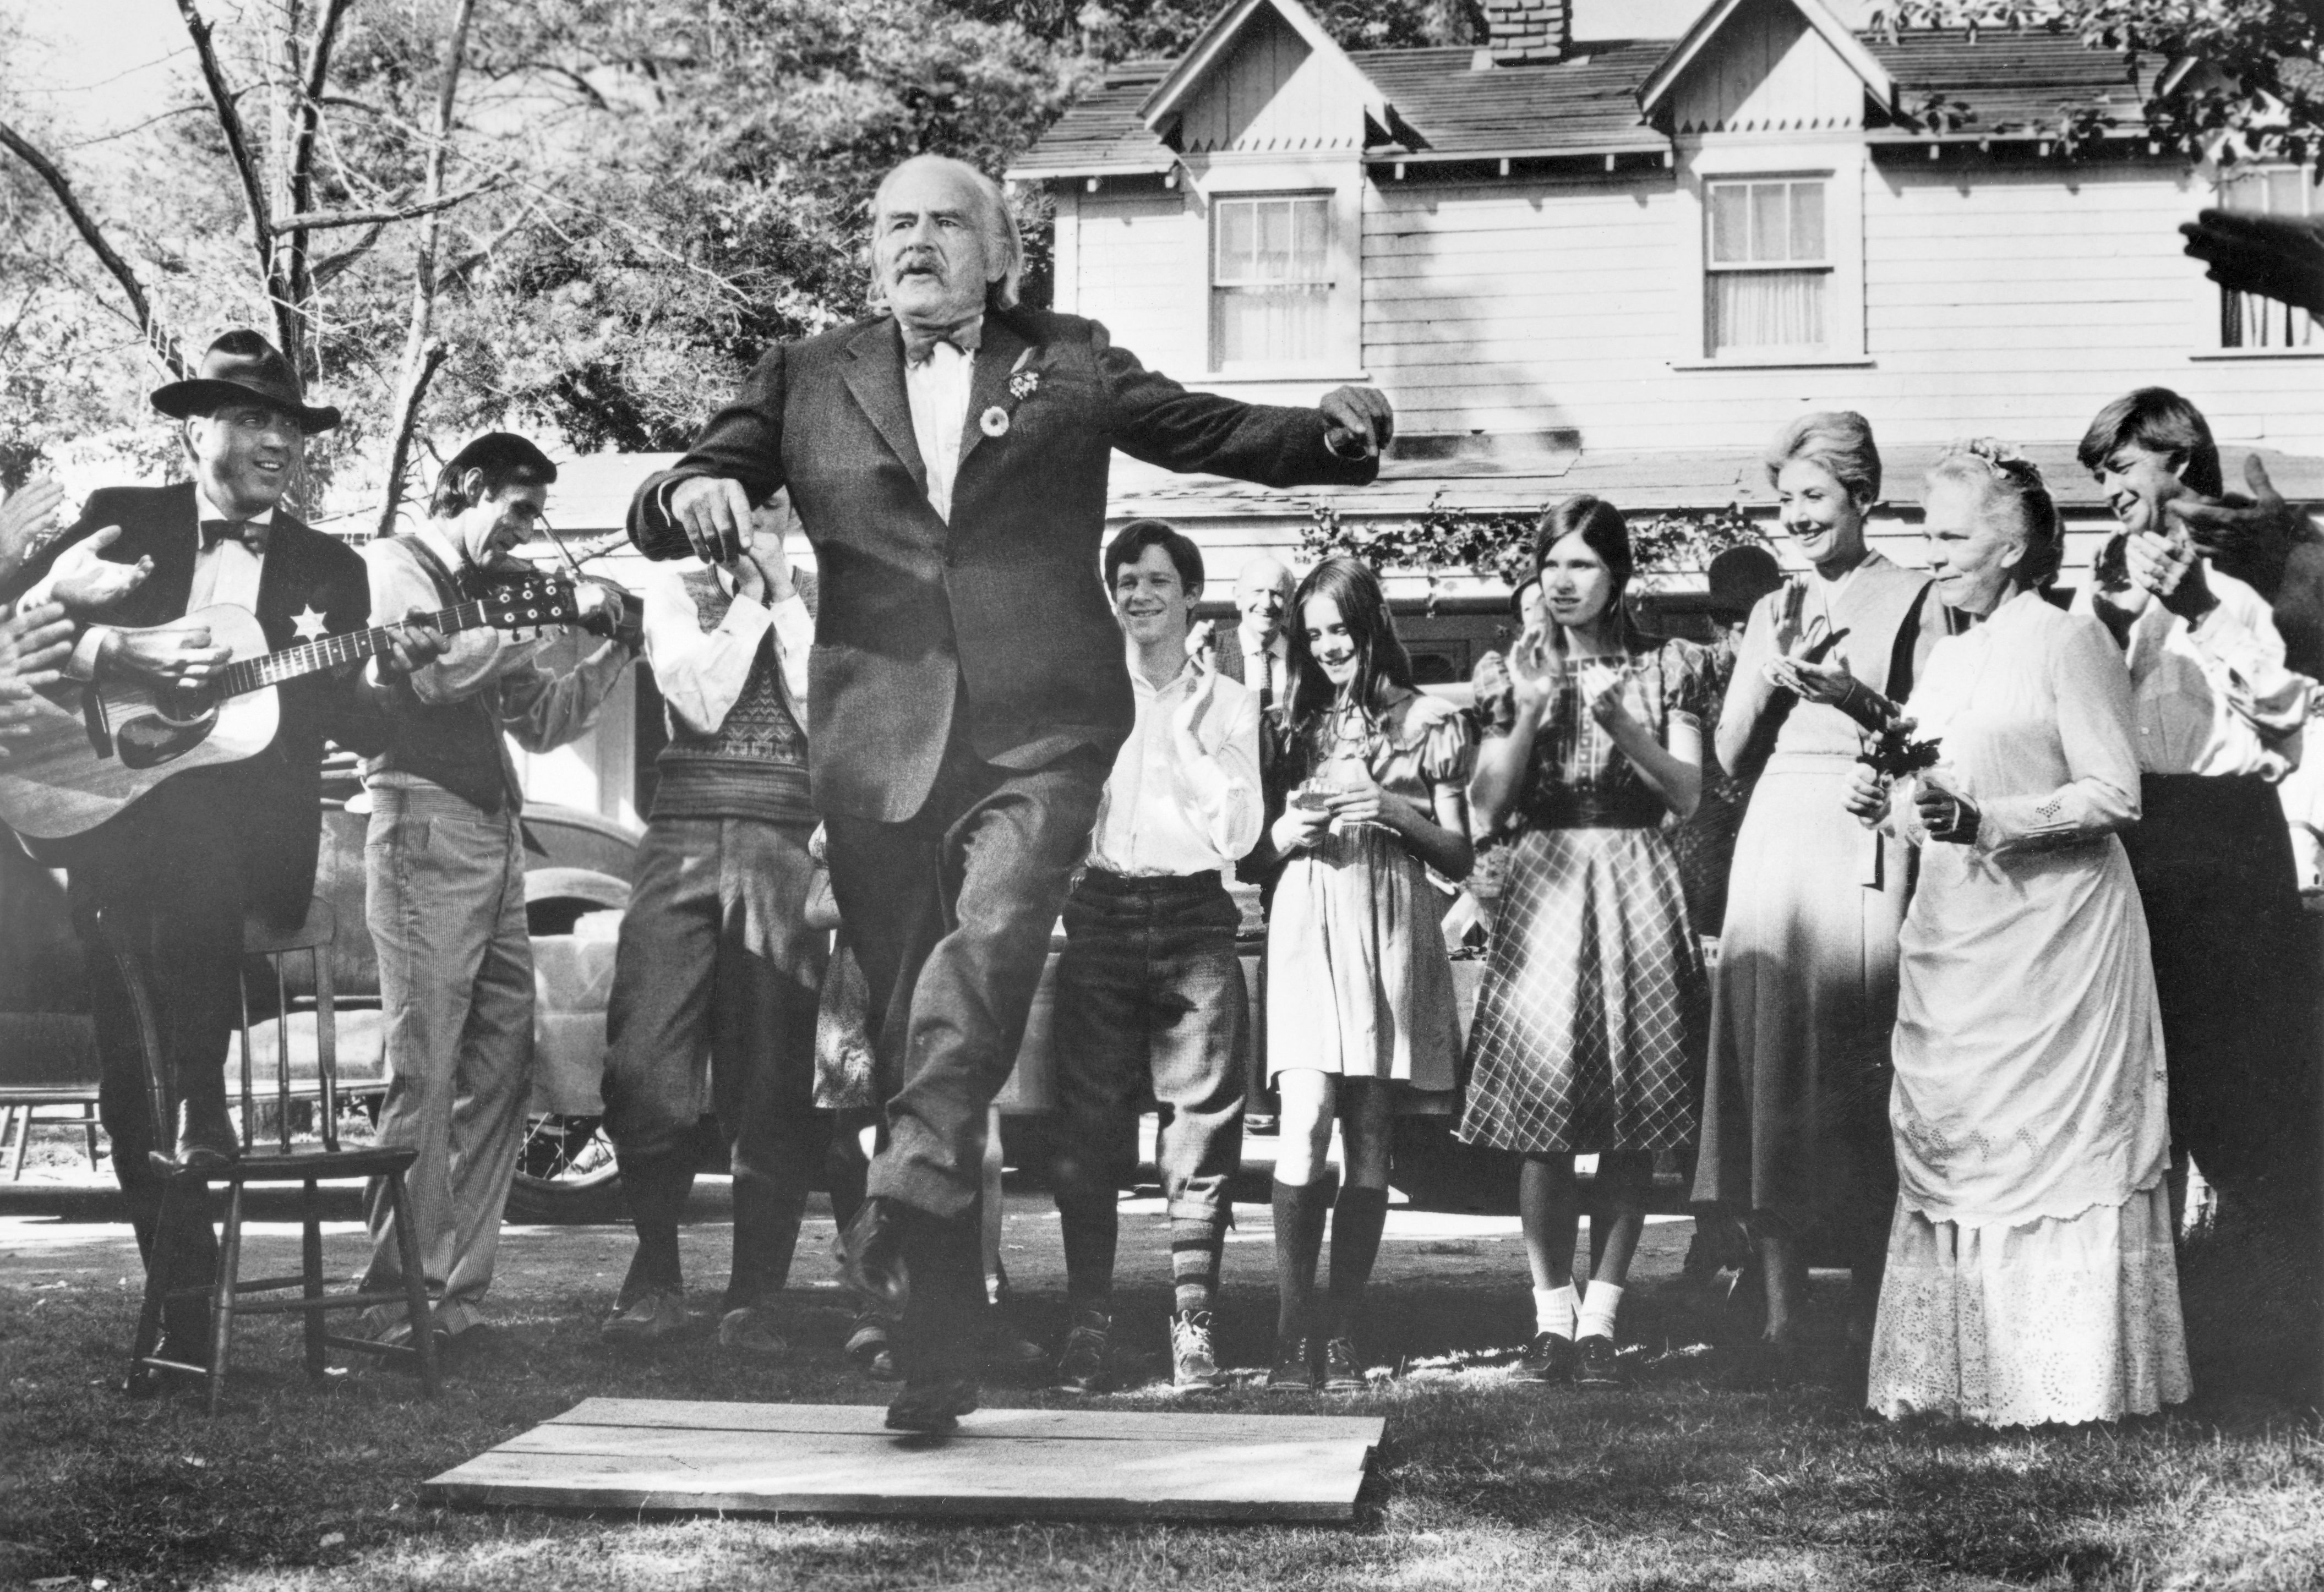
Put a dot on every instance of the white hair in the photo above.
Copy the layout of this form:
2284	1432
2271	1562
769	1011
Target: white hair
999	223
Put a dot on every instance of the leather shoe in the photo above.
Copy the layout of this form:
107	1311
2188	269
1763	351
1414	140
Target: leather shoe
205	1135
871	1257
934	1406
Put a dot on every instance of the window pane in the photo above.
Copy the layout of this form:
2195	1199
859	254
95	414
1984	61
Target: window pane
1730	242
1235	240
1807	221
2287	193
1310	256
1769	225
1277	325
1274	261
1766	309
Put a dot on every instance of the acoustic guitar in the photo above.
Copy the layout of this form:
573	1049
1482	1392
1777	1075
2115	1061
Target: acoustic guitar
95	748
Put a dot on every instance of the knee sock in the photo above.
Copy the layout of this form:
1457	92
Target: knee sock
1555	1310
1195	1242
1597	1308
1299	1213
1356	1222
766	1233
656	1187
1090	1226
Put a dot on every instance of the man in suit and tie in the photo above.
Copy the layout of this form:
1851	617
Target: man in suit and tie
1257	652
174	874
948	461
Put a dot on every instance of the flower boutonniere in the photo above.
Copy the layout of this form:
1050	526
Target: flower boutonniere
1024	384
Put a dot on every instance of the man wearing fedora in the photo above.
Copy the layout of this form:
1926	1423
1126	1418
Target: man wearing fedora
948	461
444	867
175	873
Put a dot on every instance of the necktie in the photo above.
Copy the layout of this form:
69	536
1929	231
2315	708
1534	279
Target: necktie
249	533
919	342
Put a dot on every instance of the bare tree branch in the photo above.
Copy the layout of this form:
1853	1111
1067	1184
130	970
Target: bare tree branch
423	353
237	138
302	150
161	342
406	421
325	220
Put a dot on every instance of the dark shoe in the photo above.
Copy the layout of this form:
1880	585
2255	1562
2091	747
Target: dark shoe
1549	1358
1341	1373
1193	1357
205	1135
654	1315
1597	1365
871	1351
1081	1367
871	1255
753	1329
1294	1364
935	1405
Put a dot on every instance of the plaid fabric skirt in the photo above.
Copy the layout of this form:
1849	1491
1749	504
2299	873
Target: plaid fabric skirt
1589	1024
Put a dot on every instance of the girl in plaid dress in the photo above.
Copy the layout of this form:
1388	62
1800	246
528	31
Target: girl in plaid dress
1590	1017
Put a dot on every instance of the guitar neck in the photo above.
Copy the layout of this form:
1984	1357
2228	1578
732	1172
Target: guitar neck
329	652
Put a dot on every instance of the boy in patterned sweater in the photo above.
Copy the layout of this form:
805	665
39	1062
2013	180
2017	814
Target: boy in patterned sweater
716	961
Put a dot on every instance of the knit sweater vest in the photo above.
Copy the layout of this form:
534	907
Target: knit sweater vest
754	764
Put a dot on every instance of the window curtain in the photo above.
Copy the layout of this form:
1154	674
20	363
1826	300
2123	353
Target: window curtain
1766	309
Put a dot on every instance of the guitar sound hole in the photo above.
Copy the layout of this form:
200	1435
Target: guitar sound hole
185	708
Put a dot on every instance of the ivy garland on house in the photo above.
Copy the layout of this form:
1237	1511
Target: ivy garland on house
1450	541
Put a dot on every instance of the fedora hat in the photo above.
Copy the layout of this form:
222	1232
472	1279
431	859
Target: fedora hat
241	366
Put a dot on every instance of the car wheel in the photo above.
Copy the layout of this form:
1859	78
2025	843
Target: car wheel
566	1172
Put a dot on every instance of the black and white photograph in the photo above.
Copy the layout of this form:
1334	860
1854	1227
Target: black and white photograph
1196	794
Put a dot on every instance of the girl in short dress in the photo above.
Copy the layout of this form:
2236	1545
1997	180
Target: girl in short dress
1590	1021
1360	1008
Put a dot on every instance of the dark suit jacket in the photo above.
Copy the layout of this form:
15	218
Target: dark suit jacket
279	790
995	626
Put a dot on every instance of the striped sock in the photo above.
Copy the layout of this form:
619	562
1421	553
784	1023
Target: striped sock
1195	1242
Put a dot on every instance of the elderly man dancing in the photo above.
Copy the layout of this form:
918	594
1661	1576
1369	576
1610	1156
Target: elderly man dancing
948	461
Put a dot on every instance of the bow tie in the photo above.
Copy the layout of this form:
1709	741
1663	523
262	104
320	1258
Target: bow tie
249	533
919	343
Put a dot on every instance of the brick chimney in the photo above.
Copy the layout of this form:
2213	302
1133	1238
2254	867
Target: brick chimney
1519	32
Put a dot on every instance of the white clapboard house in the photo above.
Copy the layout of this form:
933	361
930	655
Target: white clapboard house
1616	267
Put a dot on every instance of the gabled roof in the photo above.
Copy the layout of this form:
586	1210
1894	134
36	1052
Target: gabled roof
1844	44
2004	84
1217	41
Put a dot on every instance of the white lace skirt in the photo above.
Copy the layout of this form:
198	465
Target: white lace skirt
2058	1321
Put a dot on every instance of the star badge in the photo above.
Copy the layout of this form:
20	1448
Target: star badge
308	624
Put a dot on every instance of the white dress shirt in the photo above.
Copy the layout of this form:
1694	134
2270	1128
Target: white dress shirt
701	673
227	571
937	390
1165	813
1266	668
2213	698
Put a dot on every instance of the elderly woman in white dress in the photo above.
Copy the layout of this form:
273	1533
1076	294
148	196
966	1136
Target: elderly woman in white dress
2030	1276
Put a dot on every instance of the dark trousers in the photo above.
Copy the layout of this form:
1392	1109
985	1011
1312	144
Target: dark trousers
716	961
2233	977
1151	1003
950	914
168	875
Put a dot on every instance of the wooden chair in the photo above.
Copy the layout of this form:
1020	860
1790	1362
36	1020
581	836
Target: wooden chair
47	1059
230	1294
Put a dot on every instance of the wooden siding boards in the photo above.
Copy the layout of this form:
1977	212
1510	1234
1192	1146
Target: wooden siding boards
1770	72
1273	95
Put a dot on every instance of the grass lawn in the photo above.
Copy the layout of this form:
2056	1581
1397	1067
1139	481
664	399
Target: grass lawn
1685	1481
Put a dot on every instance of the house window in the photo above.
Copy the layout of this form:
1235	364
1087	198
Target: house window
1270	280
2247	320
1769	270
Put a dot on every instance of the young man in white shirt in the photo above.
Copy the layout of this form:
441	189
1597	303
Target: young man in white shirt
2218	720
1150	996
716	961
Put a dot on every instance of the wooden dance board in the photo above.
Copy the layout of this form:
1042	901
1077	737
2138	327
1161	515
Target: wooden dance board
608	1453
